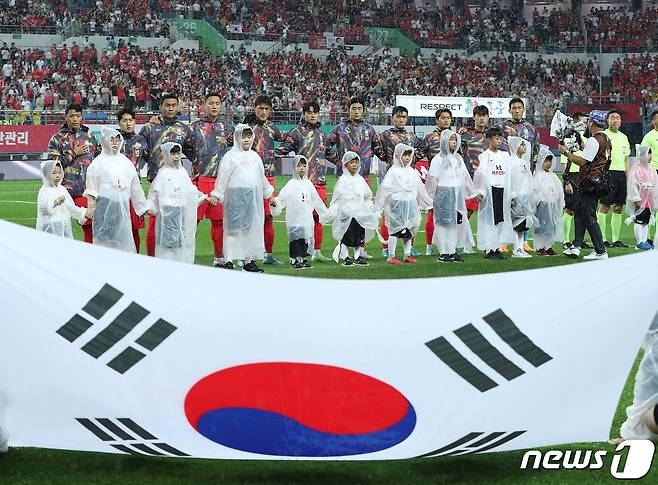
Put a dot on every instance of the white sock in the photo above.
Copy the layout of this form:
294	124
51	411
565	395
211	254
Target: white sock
392	246
519	241
343	252
637	229
407	248
358	252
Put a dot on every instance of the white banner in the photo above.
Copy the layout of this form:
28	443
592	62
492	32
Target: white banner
106	351
461	107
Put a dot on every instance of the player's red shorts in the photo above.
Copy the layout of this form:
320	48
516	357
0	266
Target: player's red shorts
81	201
266	202
137	221
472	205
205	210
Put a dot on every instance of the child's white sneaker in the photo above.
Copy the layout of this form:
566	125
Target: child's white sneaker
520	253
593	255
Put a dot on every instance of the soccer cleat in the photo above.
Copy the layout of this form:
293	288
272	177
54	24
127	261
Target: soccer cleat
306	264
364	255
269	259
320	257
410	259
489	255
504	248
445	258
429	250
527	248
619	244
228	265
347	261
361	261
541	252
594	255
296	265
456	258
394	261
385	253
414	252
218	262
251	267
550	252
645	246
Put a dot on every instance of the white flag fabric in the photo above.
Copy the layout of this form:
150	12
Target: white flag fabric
106	351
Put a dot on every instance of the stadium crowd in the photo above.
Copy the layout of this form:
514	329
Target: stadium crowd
48	80
489	27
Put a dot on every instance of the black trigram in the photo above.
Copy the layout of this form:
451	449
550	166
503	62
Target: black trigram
490	355
475	442
125	435
116	330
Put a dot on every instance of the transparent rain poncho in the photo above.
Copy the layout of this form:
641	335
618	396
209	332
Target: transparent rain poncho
352	199
300	198
550	203
241	187
402	195
490	235
449	186
645	391
523	201
642	185
113	181
51	218
174	199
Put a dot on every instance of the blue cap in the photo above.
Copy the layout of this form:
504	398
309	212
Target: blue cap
598	116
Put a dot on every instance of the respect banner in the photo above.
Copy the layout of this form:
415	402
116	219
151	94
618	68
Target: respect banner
461	107
106	351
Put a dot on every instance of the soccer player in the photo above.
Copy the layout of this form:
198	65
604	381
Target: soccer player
569	183
241	187
431	147
212	139
166	127
265	134
75	147
354	134
390	138
112	185
135	148
651	140
309	140
620	156
493	183
517	125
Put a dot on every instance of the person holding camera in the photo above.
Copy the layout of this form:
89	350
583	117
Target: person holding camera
592	182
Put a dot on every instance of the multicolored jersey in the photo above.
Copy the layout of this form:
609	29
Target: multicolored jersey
212	139
393	136
135	147
265	134
528	132
60	147
310	141
431	144
167	130
358	137
474	143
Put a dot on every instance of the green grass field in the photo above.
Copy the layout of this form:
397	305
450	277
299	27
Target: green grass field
35	466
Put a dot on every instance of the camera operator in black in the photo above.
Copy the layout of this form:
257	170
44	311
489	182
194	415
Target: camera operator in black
594	163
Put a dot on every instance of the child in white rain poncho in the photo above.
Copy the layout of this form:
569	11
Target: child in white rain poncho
549	196
523	203
112	183
401	197
493	182
300	198
354	215
174	201
55	208
642	415
241	187
642	196
449	185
